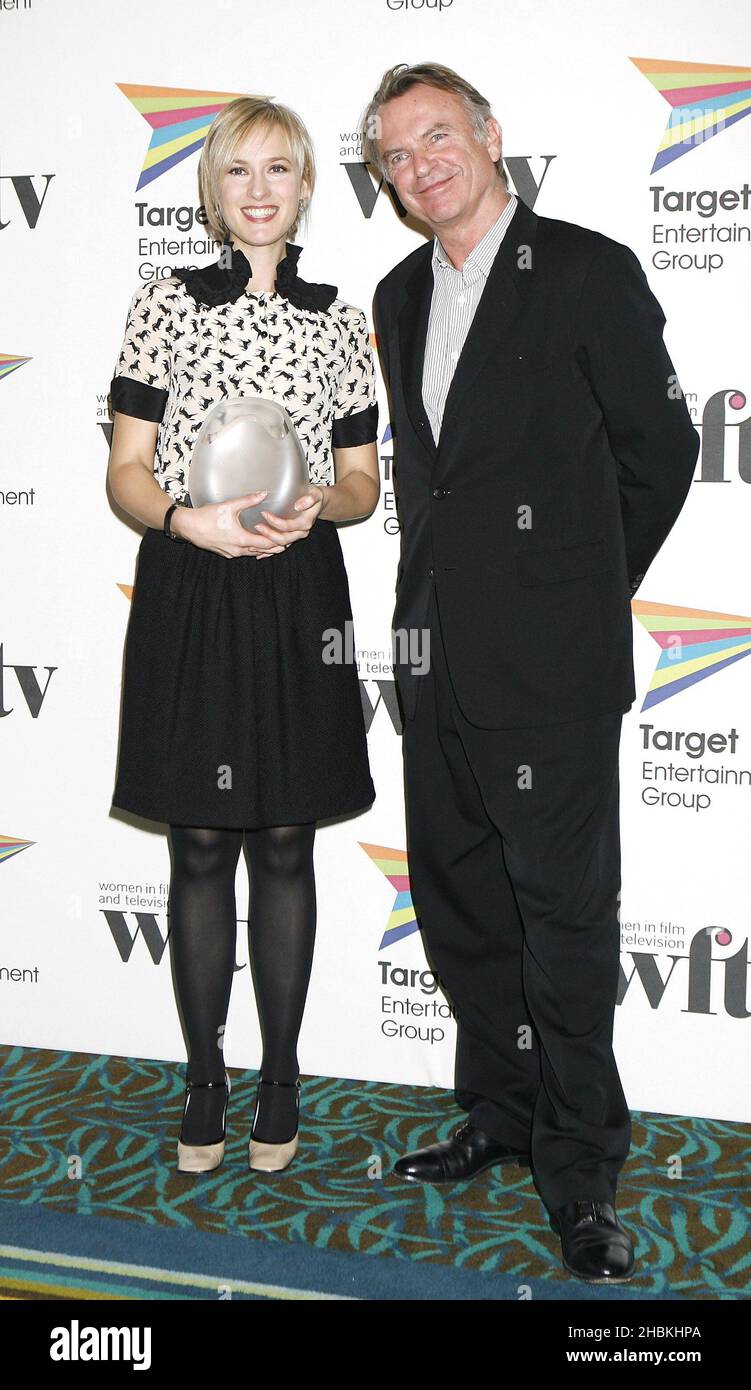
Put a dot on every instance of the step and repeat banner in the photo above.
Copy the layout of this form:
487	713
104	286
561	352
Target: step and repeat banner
623	118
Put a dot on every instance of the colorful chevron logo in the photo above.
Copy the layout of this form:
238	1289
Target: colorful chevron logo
10	846
180	118
706	98
393	864
10	363
695	642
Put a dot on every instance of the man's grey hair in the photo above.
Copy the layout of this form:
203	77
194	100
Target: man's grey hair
399	79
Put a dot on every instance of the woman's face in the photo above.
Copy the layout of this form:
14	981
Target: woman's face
260	188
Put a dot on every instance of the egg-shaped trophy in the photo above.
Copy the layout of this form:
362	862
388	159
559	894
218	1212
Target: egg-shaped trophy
245	444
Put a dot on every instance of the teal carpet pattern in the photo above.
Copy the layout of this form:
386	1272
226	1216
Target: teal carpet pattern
91	1205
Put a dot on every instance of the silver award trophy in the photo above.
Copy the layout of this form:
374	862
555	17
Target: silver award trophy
245	444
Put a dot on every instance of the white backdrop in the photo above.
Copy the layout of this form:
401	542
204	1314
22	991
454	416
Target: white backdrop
82	958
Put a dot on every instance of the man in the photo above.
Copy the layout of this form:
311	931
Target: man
543	452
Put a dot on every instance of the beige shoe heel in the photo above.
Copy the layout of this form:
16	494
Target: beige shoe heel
273	1158
202	1158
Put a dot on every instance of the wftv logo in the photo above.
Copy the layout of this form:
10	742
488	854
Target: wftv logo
695	643
28	686
696	971
519	167
716	422
706	98
391	862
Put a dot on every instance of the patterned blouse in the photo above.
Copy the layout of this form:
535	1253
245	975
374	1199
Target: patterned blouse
198	337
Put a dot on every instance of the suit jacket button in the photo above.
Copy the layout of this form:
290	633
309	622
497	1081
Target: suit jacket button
430	572
439	492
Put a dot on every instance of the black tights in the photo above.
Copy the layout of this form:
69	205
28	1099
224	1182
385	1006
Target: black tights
281	935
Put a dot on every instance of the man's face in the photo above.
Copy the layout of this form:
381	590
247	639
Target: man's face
439	170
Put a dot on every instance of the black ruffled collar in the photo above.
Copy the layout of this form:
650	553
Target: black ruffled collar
224	281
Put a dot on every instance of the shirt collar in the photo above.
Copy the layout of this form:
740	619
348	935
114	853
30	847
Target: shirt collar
224	281
477	264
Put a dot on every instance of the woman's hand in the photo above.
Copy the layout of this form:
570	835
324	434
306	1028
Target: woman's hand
217	527
277	528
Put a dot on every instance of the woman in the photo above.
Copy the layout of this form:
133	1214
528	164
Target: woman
234	730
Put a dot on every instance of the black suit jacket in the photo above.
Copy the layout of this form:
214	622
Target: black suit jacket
565	455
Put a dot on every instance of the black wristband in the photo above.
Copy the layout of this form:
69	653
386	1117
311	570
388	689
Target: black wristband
167	522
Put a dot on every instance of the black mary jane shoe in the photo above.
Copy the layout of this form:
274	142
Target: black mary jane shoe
594	1245
468	1152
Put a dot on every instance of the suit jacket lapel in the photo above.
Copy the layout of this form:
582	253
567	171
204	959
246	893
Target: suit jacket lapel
503	296
413	330
500	302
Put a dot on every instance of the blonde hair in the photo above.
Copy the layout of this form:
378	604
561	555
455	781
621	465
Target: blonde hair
399	79
228	129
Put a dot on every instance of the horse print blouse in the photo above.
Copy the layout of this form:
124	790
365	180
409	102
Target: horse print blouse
198	337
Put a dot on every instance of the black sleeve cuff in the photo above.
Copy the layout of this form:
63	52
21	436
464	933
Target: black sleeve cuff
359	428
136	398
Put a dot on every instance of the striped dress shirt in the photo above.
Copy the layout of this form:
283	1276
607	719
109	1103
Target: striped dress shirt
456	295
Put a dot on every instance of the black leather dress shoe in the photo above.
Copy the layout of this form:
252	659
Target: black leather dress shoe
468	1152
594	1245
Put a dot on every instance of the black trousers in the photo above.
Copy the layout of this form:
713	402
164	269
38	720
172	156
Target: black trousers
514	858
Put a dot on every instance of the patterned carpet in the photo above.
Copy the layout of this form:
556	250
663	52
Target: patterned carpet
91	1205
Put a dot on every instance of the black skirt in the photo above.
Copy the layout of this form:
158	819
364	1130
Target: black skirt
230	716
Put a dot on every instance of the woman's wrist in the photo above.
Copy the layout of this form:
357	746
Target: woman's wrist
177	522
350	498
